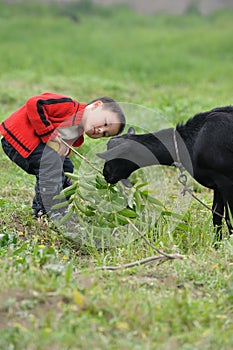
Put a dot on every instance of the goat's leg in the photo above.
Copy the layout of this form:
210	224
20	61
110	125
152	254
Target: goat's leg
226	186
229	216
218	210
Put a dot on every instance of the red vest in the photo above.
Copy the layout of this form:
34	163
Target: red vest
36	121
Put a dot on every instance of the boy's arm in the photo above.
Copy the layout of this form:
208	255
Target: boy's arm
47	111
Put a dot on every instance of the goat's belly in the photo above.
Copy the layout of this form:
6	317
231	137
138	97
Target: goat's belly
205	179
209	184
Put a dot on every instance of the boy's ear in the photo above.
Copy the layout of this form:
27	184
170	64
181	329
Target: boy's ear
96	104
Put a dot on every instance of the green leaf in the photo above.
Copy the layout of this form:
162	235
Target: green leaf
79	205
141	185
154	201
72	176
67	192
121	219
129	213
145	193
82	208
138	200
101	183
21	249
60	205
68	272
67	216
88	186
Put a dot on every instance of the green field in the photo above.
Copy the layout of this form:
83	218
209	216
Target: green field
163	69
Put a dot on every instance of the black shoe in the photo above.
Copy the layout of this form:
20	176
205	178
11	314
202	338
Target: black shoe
39	214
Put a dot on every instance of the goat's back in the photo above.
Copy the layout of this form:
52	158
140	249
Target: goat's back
212	143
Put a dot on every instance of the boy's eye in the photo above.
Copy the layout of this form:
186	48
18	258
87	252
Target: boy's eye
104	133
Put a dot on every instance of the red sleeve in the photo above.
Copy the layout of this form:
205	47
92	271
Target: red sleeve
47	111
79	141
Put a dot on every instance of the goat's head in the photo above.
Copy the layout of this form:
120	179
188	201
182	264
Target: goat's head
118	165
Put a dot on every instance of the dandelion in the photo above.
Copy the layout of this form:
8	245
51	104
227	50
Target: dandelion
20	327
79	298
47	330
35	239
122	325
41	246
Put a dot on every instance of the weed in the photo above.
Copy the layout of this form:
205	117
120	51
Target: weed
159	67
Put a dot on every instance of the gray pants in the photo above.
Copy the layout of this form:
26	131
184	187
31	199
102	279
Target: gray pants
49	169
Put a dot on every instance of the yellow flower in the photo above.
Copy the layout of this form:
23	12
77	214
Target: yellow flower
41	246
79	298
19	326
47	330
122	325
20	233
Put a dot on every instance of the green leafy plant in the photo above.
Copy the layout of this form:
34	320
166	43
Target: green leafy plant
99	204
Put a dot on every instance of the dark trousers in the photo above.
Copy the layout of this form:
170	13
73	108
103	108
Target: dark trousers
49	169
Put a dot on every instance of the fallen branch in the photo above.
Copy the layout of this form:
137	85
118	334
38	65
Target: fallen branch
161	258
142	262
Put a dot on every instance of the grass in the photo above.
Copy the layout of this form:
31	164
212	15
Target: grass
163	69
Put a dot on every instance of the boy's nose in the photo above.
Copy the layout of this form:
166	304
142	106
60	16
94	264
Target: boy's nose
101	129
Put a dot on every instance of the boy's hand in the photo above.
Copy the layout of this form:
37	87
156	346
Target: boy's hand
62	150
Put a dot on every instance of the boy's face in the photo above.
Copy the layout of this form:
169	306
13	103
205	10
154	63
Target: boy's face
99	122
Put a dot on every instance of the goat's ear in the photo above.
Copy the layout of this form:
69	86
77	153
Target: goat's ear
115	152
131	131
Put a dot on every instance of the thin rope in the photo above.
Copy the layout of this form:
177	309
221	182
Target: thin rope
182	178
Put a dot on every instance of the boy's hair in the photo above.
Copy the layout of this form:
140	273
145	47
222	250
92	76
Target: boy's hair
114	107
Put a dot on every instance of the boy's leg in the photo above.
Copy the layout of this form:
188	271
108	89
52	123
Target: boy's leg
47	166
68	167
27	164
50	179
38	206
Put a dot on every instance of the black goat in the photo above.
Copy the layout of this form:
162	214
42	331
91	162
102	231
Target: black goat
203	145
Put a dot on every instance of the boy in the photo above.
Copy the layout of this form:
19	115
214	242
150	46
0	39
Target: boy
32	131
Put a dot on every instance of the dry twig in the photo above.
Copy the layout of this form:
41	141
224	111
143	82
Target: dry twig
142	262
